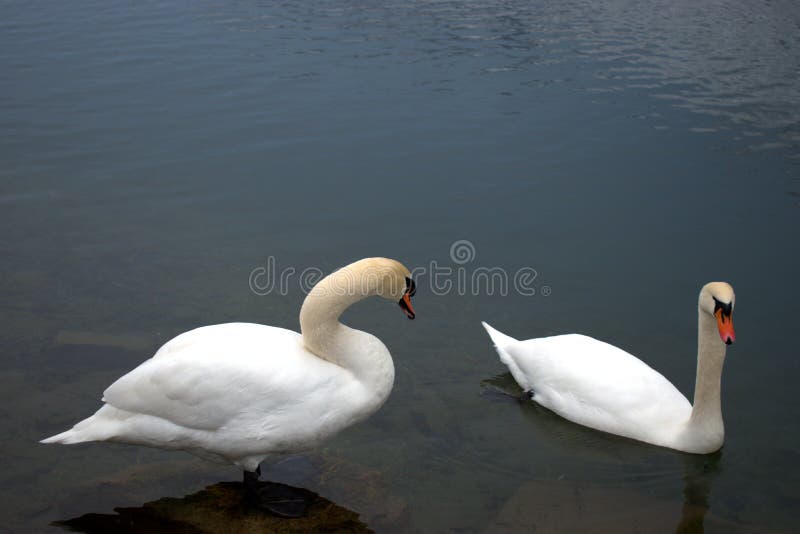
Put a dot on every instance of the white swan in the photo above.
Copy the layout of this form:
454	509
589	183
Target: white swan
600	386
242	392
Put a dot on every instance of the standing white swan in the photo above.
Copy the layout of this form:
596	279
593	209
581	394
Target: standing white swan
600	386
243	392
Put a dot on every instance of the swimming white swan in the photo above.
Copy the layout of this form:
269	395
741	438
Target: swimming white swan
600	386
243	392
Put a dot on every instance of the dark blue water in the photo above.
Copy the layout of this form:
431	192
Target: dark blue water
154	154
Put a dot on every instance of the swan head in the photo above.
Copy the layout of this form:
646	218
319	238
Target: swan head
398	286
389	279
718	300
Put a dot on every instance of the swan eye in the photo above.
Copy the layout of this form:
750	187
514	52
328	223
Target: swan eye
411	287
725	307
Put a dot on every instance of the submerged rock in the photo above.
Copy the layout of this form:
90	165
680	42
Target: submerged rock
365	489
218	508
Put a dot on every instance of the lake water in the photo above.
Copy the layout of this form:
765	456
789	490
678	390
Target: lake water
154	155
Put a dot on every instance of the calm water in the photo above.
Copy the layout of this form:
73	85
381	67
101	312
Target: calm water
153	154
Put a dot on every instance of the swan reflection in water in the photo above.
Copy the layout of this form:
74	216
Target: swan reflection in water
219	508
618	492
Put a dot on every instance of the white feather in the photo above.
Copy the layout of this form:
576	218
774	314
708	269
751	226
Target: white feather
603	387
242	392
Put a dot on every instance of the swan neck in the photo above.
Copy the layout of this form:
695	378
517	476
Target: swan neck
358	352
325	303
707	407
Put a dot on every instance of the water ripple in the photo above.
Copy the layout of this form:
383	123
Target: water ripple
729	61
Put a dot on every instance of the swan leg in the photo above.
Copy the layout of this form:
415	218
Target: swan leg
277	499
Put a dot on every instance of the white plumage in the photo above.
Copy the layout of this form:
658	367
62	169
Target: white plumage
243	392
603	387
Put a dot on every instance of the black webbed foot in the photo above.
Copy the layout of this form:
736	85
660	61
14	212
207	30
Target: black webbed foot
277	499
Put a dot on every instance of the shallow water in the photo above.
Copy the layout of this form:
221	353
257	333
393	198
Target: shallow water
155	155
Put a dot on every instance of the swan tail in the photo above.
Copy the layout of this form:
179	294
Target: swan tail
99	427
66	438
501	342
499	339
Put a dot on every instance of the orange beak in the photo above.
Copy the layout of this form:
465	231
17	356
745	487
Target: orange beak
725	325
405	304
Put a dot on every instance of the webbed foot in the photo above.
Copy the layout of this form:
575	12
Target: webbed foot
274	498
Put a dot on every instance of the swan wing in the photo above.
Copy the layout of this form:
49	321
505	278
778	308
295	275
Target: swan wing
598	385
208	377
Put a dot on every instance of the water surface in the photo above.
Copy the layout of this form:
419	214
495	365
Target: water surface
154	154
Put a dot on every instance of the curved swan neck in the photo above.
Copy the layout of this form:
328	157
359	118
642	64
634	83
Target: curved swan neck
707	406
330	298
358	352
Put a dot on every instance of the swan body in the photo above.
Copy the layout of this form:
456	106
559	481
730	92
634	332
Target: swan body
600	386
243	392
